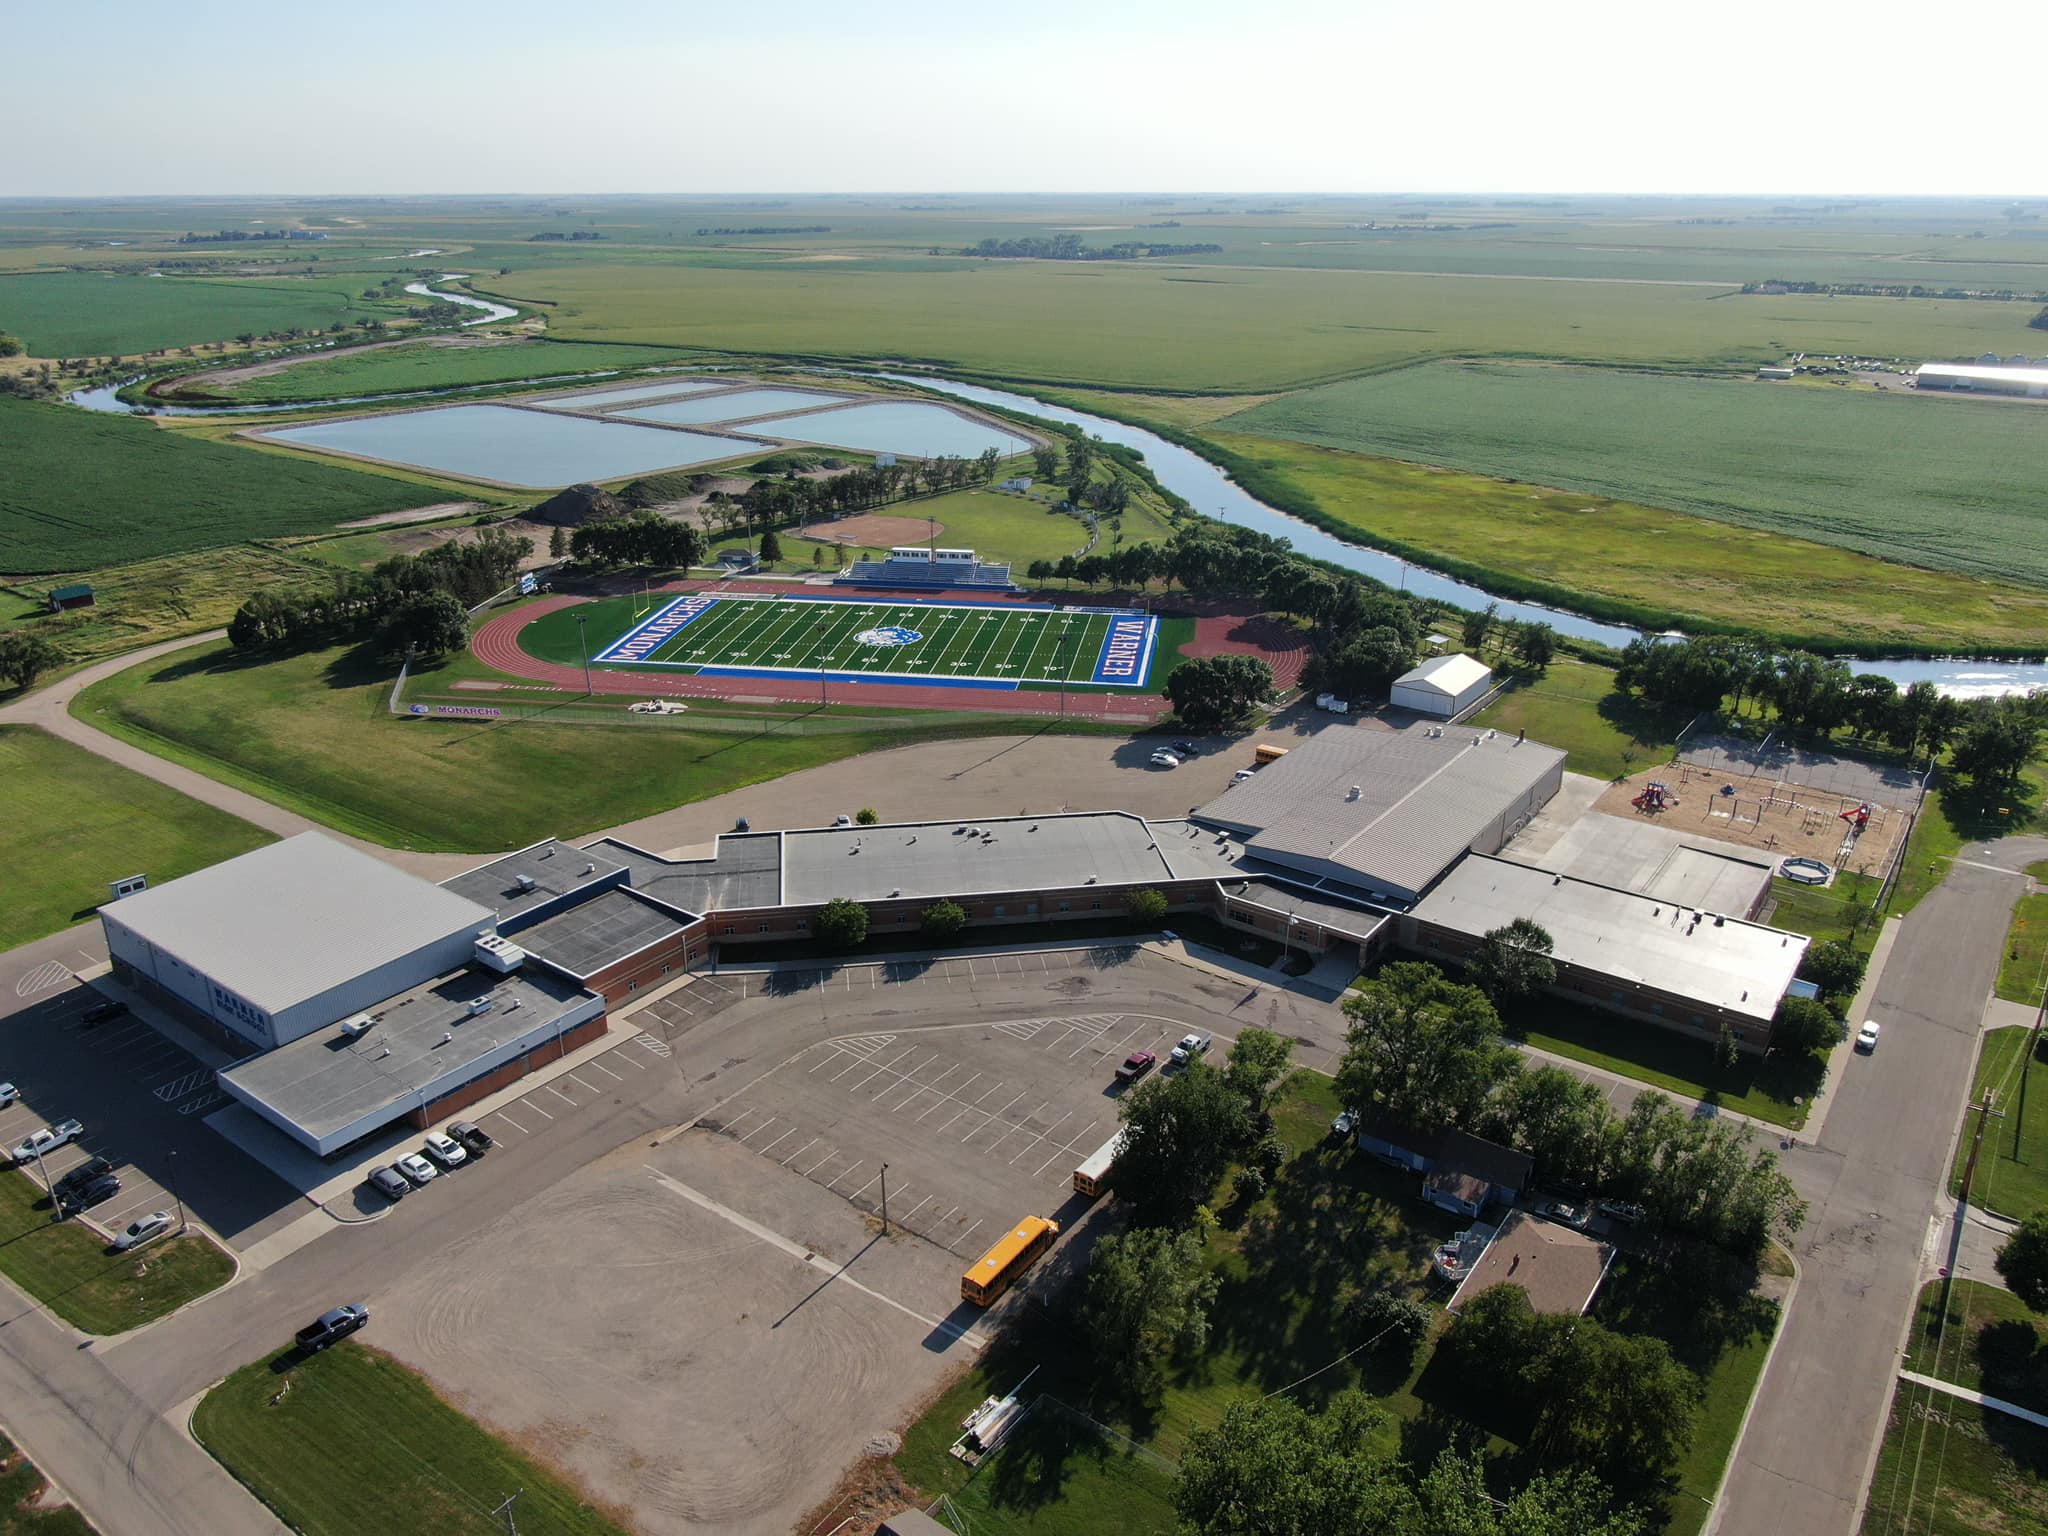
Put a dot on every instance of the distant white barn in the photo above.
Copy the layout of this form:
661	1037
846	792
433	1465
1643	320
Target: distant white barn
1443	686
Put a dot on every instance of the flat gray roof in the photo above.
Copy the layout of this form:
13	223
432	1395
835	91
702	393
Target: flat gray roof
600	932
555	868
1353	922
293	920
1639	855
1422	798
325	1083
1740	967
987	857
744	870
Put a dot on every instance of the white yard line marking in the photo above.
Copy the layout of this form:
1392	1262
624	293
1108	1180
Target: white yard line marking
813	1259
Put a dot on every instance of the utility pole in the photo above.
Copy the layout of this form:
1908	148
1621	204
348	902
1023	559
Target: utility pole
56	1208
885	1199
174	1192
505	1509
583	644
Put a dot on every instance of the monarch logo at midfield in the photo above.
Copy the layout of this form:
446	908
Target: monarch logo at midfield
888	634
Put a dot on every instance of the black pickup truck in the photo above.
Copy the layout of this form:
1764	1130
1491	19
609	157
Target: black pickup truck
332	1327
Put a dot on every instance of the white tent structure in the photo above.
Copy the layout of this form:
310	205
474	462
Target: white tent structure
1443	686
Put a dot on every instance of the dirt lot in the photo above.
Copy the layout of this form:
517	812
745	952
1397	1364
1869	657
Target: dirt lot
1772	814
871	530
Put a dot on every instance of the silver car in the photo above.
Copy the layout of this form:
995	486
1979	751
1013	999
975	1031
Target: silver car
155	1224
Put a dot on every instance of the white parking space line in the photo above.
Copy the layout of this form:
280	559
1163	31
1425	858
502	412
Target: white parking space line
970	1231
842	1173
757	1130
927	1200
799	1152
579	1082
821	1162
1040	1140
1019	1125
832	1054
633	1062
529	1104
863	1189
952	1097
742	1115
769	1146
522	1130
607	1071
551	1088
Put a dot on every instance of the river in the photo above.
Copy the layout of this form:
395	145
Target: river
1209	490
490	311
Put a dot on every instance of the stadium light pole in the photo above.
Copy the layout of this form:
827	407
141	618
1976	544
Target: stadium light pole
885	1199
174	1192
583	644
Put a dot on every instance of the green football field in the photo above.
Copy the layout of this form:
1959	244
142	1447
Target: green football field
970	644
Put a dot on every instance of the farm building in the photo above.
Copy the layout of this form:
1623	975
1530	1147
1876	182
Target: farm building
1443	687
1993	378
1648	957
78	595
1380	814
1777	371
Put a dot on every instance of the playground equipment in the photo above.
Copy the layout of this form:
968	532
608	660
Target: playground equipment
1806	871
1656	796
1858	816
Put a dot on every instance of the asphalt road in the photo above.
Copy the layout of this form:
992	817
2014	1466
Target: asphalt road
1873	1182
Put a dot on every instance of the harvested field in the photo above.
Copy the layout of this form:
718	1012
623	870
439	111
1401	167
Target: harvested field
872	531
1772	814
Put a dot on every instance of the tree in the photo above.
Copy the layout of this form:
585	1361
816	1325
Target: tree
1211	692
1045	459
866	816
424	624
1399	1323
1621	1403
944	919
1180	1133
2022	1262
1479	625
843	923
26	656
1836	967
1559	1120
11	346
558	543
1804	1025
1995	744
771	546
1257	1061
1147	905
1423	1048
1272	1468
1149	1294
1040	572
1454	1500
1536	645
1368	664
1513	961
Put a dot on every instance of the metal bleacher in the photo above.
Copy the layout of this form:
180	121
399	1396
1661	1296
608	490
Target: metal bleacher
914	567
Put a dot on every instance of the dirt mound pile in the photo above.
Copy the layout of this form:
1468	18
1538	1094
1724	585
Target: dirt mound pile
577	505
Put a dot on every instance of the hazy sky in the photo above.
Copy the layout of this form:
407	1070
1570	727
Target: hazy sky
1048	95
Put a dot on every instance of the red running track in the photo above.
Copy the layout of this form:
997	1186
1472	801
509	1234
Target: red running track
497	645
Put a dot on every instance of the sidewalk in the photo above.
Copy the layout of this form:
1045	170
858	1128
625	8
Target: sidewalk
1996	1404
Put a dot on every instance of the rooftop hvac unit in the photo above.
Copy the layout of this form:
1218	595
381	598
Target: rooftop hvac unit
479	1005
525	883
496	953
358	1026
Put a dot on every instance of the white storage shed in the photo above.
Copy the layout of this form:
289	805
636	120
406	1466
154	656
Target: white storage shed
1443	686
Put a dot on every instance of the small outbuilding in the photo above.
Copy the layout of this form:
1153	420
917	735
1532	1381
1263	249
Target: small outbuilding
1443	686
78	595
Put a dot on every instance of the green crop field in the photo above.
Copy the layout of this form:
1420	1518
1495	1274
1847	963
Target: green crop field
872	639
1568	546
76	822
1002	525
74	314
82	491
1187	328
1951	484
438	364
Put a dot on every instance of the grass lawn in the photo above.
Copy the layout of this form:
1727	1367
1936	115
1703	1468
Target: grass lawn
312	732
75	822
68	1269
1838	911
84	491
1573	706
21	1488
2012	1168
1953	816
1982	1337
1950	1468
1873	472
351	1441
1769	1090
76	314
2025	964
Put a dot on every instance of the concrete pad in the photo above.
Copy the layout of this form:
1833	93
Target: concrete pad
1684	867
1574	798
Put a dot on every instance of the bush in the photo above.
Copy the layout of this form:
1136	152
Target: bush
1400	1322
1148	905
944	919
1836	967
843	923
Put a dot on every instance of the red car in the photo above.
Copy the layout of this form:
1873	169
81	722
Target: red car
1135	1066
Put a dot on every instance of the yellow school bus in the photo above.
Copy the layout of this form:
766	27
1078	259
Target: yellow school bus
1265	752
995	1271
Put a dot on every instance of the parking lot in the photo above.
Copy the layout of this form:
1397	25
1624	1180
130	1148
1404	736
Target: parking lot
977	1124
138	1094
592	1082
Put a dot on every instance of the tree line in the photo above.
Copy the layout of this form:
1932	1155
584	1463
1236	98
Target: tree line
417	602
1072	248
1990	740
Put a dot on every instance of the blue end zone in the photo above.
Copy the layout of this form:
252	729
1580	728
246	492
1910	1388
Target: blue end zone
639	643
1126	659
857	677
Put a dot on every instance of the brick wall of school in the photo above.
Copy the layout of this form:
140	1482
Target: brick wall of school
459	1099
1061	903
653	966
